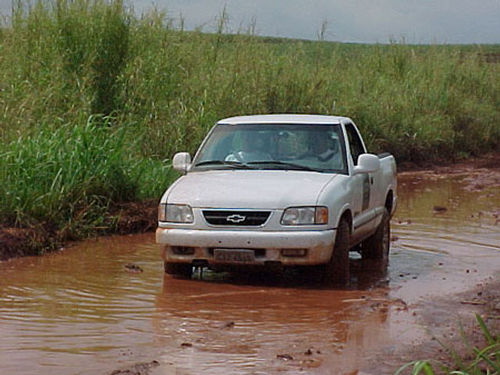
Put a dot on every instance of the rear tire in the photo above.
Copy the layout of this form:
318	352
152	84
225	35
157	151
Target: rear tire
183	270
337	269
378	245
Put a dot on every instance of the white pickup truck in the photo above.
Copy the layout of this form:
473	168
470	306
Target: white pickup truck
278	190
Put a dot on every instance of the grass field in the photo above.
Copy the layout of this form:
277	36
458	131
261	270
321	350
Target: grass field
94	101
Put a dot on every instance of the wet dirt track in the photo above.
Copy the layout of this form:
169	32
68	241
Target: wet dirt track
82	311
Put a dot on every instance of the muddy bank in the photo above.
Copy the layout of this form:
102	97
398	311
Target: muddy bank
125	218
18	242
488	161
453	328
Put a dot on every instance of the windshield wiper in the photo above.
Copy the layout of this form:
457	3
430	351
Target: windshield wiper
232	164
286	165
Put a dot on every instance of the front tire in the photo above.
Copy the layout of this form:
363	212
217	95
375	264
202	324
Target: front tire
183	270
337	269
378	245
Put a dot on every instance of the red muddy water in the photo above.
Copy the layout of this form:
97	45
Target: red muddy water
90	310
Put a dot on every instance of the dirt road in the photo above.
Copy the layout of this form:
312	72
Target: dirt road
104	305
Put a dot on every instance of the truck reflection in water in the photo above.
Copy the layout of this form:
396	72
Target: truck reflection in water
241	323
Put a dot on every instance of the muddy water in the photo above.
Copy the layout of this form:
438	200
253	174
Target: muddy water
81	311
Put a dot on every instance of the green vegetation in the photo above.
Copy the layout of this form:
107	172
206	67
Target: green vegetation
484	360
71	174
94	101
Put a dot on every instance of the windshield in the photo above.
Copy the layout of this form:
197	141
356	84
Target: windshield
310	147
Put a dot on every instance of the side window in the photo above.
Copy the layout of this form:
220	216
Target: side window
354	142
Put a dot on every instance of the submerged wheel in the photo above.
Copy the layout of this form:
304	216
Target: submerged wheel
337	269
179	269
378	245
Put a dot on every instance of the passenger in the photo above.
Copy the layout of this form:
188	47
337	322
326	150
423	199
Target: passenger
252	149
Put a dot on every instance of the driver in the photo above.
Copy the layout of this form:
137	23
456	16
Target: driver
252	149
326	147
321	147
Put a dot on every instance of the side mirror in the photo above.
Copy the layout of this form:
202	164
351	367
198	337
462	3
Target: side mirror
181	161
367	163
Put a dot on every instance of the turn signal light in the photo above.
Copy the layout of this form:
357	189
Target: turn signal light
321	215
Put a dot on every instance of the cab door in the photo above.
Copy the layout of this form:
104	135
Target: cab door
361	188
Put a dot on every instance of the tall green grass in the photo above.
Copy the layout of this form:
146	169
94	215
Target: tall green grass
69	176
157	89
63	58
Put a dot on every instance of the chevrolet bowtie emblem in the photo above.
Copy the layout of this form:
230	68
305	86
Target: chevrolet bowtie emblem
235	218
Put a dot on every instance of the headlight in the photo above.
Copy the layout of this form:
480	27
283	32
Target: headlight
175	213
305	216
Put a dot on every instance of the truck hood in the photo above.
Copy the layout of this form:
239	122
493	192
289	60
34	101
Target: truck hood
248	189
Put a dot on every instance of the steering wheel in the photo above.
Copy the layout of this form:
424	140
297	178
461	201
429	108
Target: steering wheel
235	156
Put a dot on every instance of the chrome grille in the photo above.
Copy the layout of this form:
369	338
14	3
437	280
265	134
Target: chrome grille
238	218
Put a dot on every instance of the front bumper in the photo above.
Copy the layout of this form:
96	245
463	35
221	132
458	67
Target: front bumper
268	245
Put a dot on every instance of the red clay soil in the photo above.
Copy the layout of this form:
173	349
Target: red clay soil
455	331
134	217
125	218
17	242
488	161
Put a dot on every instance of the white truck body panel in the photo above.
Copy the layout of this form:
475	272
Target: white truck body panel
252	189
362	197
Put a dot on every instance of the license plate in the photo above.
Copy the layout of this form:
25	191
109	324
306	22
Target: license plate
234	256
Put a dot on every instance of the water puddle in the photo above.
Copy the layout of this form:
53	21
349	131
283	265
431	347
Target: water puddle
87	310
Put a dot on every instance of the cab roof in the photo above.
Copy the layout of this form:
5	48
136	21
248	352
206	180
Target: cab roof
282	119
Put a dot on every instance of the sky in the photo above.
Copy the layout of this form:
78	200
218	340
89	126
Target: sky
368	21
